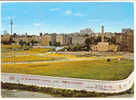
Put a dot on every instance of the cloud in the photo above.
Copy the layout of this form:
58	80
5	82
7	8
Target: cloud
36	24
68	12
78	14
54	9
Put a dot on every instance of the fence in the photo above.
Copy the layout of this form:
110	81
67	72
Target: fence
70	83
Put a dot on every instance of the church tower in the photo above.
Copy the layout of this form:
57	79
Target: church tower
102	34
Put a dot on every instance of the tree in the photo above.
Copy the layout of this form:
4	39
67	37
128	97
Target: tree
33	42
87	43
28	44
113	40
57	44
50	43
21	42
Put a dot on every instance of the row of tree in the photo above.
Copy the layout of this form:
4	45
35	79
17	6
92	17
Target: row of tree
24	43
21	42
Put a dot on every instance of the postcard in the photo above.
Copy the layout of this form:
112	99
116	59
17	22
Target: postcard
67	49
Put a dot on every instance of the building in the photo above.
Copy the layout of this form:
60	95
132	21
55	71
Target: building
43	40
5	37
86	31
48	39
26	38
130	41
109	34
78	40
104	46
126	30
60	39
125	40
63	39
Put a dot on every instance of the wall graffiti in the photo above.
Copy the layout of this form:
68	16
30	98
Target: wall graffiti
70	83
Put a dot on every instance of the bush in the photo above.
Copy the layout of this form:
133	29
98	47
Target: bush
61	92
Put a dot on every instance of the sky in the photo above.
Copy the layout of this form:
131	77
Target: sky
66	17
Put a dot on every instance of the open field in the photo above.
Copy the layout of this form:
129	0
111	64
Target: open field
99	69
15	49
26	58
64	65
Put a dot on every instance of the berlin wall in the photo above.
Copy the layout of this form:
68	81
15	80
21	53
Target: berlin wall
70	83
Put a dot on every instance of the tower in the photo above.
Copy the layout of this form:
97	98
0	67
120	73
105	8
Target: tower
11	23
102	33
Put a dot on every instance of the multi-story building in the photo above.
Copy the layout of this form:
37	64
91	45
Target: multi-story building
78	40
5	37
61	39
130	40
64	40
43	40
26	38
109	34
48	39
125	40
86	31
126	30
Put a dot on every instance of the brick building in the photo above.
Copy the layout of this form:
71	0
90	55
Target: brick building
125	40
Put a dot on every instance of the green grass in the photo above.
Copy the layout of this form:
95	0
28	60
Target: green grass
96	69
18	49
28	58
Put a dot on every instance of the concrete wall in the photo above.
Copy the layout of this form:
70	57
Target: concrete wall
70	83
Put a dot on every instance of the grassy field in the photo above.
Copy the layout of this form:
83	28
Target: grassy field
11	53
98	69
15	49
27	58
76	67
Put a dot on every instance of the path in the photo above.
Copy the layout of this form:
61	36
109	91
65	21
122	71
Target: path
58	60
66	59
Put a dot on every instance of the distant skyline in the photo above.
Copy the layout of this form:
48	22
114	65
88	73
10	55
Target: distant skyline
66	17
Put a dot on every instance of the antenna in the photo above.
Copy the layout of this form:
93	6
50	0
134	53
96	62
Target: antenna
11	23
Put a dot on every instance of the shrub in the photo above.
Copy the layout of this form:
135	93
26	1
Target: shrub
61	92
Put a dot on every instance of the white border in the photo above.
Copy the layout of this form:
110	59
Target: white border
133	1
